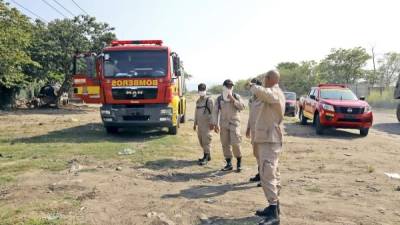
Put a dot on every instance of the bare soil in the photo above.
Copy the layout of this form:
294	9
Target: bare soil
337	178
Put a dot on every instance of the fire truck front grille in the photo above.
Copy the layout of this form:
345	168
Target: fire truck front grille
129	93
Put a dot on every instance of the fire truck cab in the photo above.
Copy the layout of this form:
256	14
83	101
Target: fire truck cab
138	83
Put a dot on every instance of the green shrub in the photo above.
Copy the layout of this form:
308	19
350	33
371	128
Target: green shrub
386	100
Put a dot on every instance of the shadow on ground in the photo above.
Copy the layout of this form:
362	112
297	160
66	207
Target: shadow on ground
52	111
390	128
308	131
210	191
169	164
183	177
252	220
91	133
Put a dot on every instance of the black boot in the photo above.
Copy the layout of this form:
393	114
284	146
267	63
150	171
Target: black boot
266	211
202	159
228	165
239	164
205	160
271	216
255	178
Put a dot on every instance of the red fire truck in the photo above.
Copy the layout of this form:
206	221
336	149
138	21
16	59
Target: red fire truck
138	83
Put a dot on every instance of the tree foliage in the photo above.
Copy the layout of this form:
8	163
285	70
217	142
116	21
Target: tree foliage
32	52
296	77
344	65
389	68
15	38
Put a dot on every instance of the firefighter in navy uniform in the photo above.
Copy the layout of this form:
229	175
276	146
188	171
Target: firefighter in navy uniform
203	122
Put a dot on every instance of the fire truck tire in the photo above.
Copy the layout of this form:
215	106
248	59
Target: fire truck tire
398	112
173	130
183	118
111	130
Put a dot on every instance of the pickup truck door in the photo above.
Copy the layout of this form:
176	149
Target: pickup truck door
86	81
308	104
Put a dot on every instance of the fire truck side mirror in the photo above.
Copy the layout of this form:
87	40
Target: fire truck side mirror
177	66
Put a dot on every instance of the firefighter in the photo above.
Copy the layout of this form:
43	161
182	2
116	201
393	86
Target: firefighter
254	108
226	121
203	123
268	139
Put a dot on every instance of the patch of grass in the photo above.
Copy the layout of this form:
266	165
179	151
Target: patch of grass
6	179
41	222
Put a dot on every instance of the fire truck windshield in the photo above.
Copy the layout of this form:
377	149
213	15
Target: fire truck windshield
135	63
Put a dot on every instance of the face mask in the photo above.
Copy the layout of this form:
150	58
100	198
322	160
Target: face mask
225	92
202	93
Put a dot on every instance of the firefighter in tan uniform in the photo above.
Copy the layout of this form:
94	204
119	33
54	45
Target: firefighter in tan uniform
203	122
269	138
254	108
226	120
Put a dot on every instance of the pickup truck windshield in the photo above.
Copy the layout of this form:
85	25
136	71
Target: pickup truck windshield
338	94
135	63
290	95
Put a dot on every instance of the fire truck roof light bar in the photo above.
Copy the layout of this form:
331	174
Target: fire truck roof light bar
136	42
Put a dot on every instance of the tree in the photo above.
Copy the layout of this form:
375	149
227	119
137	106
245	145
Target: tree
296	77
344	65
56	44
15	38
389	68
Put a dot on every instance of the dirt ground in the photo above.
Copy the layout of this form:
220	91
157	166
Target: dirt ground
59	167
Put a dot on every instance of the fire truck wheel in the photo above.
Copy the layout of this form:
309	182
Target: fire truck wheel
173	130
183	118
111	130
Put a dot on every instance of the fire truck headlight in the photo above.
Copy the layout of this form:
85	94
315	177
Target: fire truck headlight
166	111
105	112
108	119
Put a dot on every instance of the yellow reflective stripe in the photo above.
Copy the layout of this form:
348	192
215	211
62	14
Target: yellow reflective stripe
79	90
93	90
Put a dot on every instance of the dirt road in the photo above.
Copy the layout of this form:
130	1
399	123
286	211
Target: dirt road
59	167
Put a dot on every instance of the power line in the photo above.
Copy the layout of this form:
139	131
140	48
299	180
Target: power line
28	10
63	7
55	9
80	7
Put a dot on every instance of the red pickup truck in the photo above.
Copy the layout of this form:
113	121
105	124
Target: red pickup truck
334	105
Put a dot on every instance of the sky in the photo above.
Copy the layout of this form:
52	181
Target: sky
236	39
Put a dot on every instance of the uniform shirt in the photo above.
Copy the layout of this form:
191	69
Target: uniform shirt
226	113
202	116
255	106
270	117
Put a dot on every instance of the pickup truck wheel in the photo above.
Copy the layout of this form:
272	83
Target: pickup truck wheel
398	112
319	128
364	131
111	130
303	119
